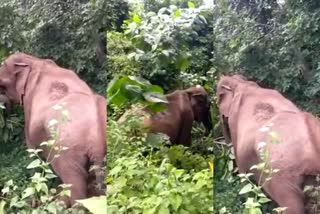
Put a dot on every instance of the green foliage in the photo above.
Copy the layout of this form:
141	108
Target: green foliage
226	197
95	205
133	89
69	33
117	13
13	153
10	28
145	177
163	41
170	47
156	5
118	48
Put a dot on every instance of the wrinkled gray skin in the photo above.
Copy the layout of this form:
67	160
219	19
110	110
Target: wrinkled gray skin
245	108
184	107
38	85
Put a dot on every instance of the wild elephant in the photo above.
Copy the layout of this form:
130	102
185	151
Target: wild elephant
184	107
38	85
247	111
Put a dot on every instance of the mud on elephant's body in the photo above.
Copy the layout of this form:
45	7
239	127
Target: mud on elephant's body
38	85
184	107
244	109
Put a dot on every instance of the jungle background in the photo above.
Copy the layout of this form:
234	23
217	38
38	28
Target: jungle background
274	43
73	34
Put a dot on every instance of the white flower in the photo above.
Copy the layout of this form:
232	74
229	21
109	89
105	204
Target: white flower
264	129
52	122
57	107
261	145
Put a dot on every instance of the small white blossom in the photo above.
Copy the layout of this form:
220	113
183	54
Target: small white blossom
57	107
264	129
261	145
52	122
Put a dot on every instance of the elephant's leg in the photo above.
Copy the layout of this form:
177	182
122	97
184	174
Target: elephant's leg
71	170
287	192
96	182
184	137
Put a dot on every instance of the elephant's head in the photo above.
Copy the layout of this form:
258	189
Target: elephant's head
200	103
227	88
14	75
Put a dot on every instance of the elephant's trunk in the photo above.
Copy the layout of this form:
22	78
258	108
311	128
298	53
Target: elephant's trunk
207	122
225	129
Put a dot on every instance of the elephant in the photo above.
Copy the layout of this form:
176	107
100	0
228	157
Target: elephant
247	112
183	107
38	85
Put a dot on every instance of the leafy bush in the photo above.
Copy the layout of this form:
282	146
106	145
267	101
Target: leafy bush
141	182
163	42
118	48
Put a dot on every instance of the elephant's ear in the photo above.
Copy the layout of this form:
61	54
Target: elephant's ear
22	71
225	96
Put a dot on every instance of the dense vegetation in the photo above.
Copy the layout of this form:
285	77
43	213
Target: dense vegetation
173	44
72	33
170	45
274	43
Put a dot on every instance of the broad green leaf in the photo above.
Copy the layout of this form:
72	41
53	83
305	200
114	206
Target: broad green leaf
136	18
247	188
112	209
2	204
157	107
155	97
164	209
28	192
52	208
255	211
175	200
263	200
34	164
191	5
133	91
140	80
177	13
166	53
96	205
115	170
156	88
182	63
